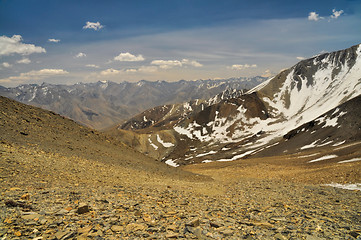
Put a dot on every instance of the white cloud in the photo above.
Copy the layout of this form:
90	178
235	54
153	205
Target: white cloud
110	71
166	64
143	69
300	58
128	57
313	16
192	63
80	55
241	67
336	14
92	66
35	75
53	40
24	61
14	44
6	65
93	25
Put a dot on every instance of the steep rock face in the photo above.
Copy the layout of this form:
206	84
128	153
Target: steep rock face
103	104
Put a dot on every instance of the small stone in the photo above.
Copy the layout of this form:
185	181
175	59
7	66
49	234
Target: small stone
137	213
8	220
172	227
61	234
31	216
61	212
310	237
215	224
84	230
227	232
68	208
172	235
193	223
133	227
83	209
279	219
17	233
198	232
43	221
25	196
117	228
279	236
355	234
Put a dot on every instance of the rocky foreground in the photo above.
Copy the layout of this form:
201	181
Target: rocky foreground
59	180
49	196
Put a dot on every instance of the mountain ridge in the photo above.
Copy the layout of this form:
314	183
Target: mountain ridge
103	104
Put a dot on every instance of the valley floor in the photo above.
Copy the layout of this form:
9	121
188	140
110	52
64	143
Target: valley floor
49	196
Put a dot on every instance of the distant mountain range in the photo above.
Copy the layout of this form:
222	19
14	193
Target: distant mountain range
104	104
314	104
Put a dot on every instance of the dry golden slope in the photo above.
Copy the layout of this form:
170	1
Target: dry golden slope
30	127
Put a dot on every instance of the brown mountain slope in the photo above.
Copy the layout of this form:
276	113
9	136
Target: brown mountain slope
32	127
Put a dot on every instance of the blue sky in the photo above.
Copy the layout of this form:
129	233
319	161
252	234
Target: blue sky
60	41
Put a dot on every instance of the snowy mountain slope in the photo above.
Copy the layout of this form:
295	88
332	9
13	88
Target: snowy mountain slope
307	90
249	124
339	126
170	115
103	104
314	86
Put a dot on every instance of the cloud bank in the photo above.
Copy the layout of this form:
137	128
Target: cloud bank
128	57
242	66
9	46
167	64
35	75
24	61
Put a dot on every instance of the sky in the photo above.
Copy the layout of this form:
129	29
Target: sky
70	41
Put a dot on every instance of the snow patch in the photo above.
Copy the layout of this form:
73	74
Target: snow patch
205	154
350	160
310	155
171	162
312	145
152	144
350	186
323	158
165	144
207	161
338	144
236	157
